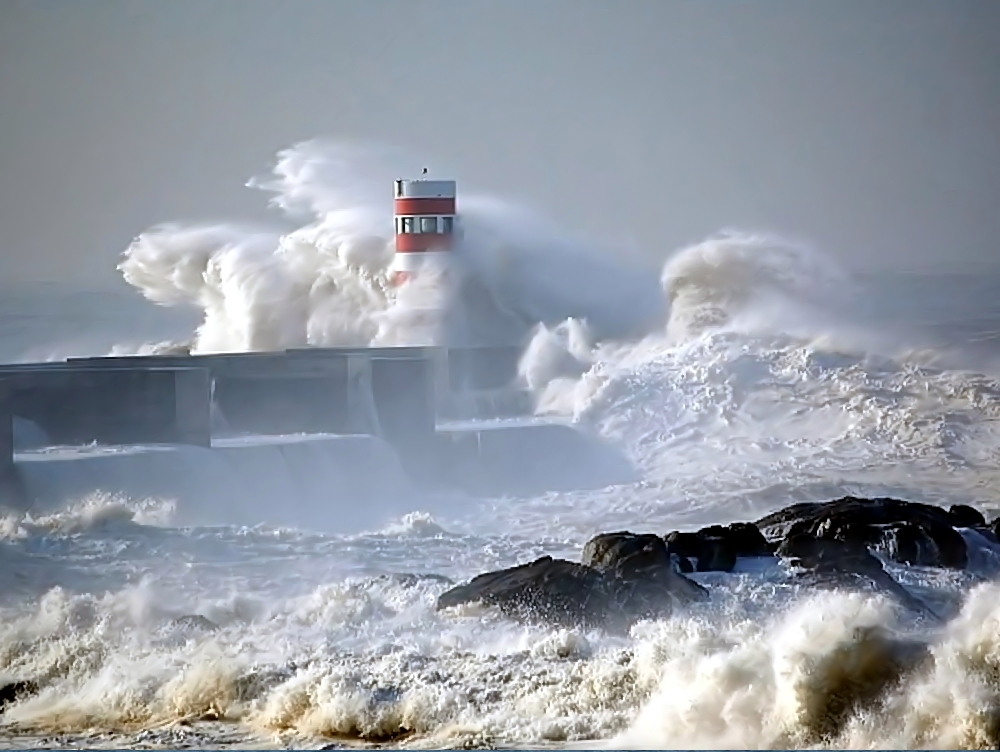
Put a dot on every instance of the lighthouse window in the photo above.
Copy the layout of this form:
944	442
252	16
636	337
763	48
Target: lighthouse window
447	224
407	223
428	224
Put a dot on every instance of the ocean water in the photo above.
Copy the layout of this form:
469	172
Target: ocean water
748	373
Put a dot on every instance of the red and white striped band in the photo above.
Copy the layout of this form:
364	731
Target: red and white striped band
419	206
422	242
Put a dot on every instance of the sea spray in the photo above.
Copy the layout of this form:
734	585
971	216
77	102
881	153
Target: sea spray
747	377
834	672
326	283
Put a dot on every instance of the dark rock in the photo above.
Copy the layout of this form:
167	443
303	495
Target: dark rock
809	552
962	515
687	545
715	556
908	544
710	548
625	551
843	563
626	576
850	509
16	690
547	589
633	558
681	564
743	538
709	552
777	525
633	578
866	522
844	529
953	552
716	548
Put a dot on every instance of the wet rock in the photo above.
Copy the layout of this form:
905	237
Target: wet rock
633	578
636	560
805	550
962	515
874	523
625	551
687	545
849	510
17	690
953	552
745	538
928	546
715	556
843	563
716	548
547	589
682	564
908	544
710	552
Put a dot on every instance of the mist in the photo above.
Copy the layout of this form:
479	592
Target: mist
871	131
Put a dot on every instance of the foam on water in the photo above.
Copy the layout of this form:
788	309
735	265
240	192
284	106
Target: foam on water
753	375
286	639
780	387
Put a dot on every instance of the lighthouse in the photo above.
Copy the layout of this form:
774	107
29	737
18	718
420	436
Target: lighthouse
425	226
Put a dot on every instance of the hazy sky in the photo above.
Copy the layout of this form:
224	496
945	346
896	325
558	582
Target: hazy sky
871	129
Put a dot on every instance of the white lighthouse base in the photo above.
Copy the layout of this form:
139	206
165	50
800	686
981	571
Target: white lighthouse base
429	265
422	286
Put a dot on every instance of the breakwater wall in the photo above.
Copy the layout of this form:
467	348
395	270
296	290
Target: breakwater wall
397	394
290	435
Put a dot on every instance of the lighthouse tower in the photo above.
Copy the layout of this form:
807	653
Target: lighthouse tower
425	225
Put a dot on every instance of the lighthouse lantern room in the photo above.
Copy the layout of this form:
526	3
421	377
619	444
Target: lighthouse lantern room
425	224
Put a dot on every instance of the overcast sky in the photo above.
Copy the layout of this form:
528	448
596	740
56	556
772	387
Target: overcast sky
871	129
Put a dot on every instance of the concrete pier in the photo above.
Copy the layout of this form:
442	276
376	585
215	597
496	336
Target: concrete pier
397	393
112	405
261	393
248	435
402	389
391	392
283	426
280	394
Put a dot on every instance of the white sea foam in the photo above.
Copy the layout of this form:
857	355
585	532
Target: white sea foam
753	374
326	283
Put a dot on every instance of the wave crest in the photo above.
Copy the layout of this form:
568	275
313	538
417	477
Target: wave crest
747	282
326	282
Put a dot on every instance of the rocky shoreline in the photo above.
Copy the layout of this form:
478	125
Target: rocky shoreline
623	577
